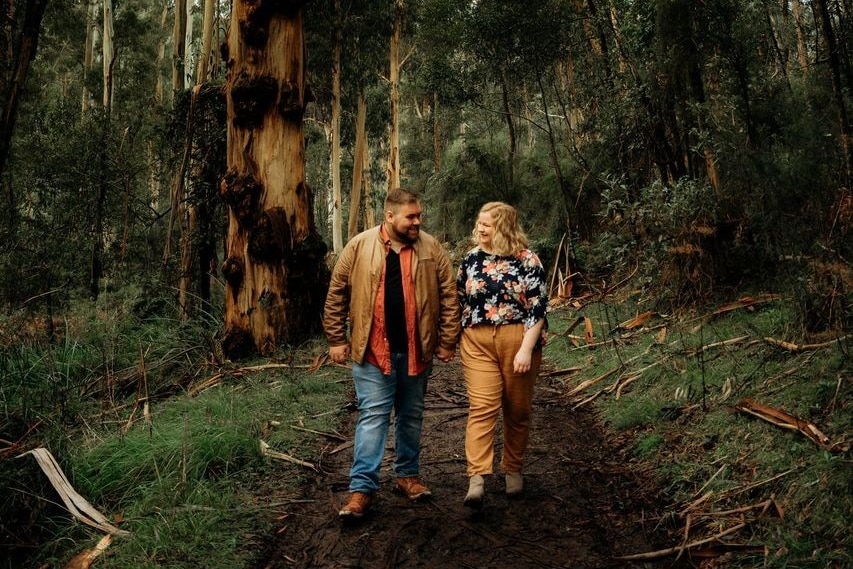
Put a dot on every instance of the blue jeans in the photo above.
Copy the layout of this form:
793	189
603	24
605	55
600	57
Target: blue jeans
377	395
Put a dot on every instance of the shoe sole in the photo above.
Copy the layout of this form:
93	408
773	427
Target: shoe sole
344	515
473	503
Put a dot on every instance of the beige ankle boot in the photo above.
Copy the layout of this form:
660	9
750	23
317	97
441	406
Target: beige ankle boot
514	483
476	489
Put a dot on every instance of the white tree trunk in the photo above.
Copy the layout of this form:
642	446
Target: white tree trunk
108	55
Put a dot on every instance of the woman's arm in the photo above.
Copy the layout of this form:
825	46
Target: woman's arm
524	357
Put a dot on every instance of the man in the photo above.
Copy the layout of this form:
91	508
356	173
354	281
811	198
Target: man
397	286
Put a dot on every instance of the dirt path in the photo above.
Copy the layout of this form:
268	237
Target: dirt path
584	501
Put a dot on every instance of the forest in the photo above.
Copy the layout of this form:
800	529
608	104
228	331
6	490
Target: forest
179	176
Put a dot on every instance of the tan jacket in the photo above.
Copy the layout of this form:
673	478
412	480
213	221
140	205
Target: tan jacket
355	280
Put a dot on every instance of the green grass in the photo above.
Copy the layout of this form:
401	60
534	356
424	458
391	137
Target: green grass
191	484
193	489
184	484
680	409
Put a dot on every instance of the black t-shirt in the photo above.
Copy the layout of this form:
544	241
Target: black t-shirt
395	310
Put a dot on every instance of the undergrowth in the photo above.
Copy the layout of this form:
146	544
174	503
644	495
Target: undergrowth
151	430
674	383
164	438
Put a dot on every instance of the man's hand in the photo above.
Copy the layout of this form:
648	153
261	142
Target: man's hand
339	354
444	354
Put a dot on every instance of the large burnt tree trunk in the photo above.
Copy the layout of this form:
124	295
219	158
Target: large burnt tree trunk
274	268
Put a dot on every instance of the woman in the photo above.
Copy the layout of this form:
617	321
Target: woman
504	299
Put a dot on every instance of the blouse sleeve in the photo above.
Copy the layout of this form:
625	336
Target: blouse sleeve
537	290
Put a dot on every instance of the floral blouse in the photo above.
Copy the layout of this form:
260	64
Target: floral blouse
497	289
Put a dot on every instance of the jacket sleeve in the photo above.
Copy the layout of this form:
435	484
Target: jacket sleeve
336	310
449	319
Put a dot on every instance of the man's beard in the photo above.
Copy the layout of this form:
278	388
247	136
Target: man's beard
405	237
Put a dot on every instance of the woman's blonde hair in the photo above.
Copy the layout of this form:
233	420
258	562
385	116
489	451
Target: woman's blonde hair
509	238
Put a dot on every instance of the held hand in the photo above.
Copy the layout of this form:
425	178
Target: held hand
339	354
444	354
522	361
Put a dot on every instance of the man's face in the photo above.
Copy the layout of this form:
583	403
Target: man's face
405	224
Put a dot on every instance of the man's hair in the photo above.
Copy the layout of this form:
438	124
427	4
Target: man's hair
508	238
399	197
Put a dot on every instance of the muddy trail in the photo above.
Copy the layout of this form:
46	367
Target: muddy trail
586	501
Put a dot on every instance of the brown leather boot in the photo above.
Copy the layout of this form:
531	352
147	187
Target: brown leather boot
357	506
413	488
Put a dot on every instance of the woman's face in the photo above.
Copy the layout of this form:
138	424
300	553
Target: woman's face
485	230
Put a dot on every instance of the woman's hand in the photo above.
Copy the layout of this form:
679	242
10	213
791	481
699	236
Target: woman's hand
522	361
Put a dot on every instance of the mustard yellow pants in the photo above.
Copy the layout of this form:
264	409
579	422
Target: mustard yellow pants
487	354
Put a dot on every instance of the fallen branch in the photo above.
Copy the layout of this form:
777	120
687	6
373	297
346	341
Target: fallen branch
327	434
746	302
681	548
266	450
559	372
590	382
76	504
786	421
791	347
728	342
84	559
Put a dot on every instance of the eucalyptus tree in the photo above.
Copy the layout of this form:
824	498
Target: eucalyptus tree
347	47
275	269
21	24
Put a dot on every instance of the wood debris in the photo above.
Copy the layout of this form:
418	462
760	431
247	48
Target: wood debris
76	504
84	559
792	347
746	302
787	421
266	450
736	519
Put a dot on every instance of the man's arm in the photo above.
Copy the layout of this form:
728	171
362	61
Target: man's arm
336	309
449	319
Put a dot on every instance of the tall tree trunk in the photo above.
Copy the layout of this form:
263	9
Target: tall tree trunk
194	261
778	50
188	41
369	210
16	59
159	88
207	32
179	34
510	128
108	56
802	44
358	163
394	79
88	53
838	91
275	272
336	203
437	138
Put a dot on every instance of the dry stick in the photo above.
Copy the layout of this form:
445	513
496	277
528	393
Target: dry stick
711	479
335	436
763	506
590	382
835	397
587	400
267	451
680	548
791	347
692	505
707	347
630	377
749	487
